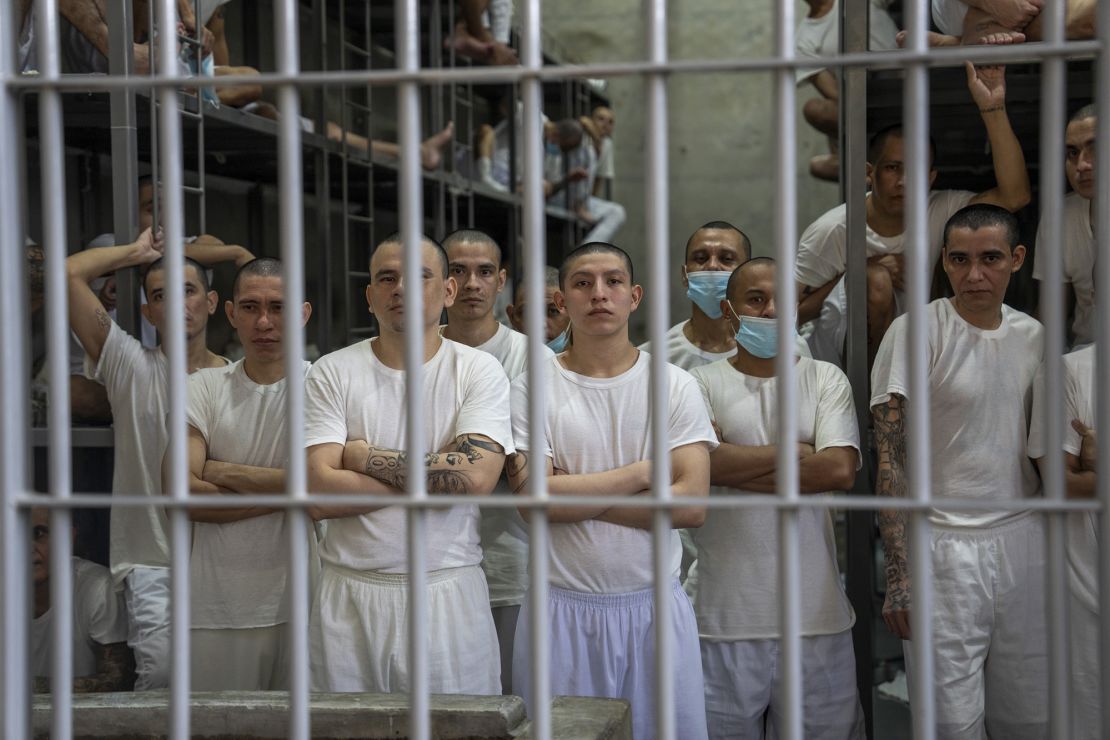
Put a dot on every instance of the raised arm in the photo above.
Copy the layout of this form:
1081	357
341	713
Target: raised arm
689	477
87	316
890	438
326	474
209	250
988	88
624	481
472	465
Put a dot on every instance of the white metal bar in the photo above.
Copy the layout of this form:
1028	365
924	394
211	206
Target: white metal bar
1053	105
916	133
173	344
292	257
786	464
412	219
535	258
52	162
657	210
1102	345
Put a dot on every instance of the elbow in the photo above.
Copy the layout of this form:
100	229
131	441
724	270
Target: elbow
845	478
1020	199
688	517
316	513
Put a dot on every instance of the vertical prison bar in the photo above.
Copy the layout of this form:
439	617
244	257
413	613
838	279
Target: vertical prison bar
1102	344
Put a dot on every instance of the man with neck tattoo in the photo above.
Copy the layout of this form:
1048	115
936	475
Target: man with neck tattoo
601	603
737	601
988	564
474	261
355	431
135	378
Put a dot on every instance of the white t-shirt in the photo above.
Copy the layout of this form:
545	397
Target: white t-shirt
605	159
99	618
135	378
599	424
820	37
981	391
687	355
1079	403
1079	263
949	16
823	255
237	570
738	549
350	394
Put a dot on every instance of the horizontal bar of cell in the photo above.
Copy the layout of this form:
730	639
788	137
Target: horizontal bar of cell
278	501
896	59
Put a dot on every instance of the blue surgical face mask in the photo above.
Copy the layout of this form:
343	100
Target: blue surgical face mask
559	343
759	336
552	149
706	288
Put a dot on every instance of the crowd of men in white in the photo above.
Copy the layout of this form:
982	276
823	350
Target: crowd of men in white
983	359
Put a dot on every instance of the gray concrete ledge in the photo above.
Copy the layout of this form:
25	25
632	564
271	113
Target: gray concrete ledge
250	714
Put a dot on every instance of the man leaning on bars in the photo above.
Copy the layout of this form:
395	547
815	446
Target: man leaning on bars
355	432
601	603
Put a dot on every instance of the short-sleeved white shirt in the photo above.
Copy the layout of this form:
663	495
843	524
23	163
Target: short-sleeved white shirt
135	379
350	394
949	16
99	618
820	37
980	394
598	424
737	596
687	355
605	159
1080	396
510	348
238	570
1079	263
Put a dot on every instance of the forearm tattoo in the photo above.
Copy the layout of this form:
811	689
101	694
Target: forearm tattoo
103	320
390	466
890	438
516	468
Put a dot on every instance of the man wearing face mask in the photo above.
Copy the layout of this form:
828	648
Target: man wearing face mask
737	600
556	323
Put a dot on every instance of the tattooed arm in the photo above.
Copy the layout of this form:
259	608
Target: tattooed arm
471	465
87	316
890	437
326	474
115	671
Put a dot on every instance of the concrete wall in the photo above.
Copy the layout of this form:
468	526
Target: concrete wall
721	130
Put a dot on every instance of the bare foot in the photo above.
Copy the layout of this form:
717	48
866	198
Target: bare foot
933	39
998	38
467	45
503	55
431	149
825	167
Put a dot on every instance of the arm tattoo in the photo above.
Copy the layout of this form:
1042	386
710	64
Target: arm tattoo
517	465
890	438
390	466
103	320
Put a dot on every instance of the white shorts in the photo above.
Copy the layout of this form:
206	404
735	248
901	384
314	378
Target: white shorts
146	592
989	640
604	645
1086	707
250	659
743	684
358	636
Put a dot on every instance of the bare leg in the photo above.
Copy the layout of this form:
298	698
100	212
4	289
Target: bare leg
1079	23
978	26
824	115
431	149
880	308
934	39
240	95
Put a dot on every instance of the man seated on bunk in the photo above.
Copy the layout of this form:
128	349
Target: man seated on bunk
601	601
571	164
101	659
237	445
737	599
822	250
355	432
974	21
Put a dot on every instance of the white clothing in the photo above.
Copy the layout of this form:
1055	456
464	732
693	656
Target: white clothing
358	639
135	379
820	37
98	619
989	636
981	391
510	348
608	218
599	424
687	355
743	688
1086	701
350	394
146	593
1079	263
823	256
737	596
238	570
1083	527
500	20
250	659
949	16
605	167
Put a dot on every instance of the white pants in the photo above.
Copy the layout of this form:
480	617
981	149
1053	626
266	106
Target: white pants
147	595
1086	707
359	633
250	659
604	645
989	641
743	684
608	218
